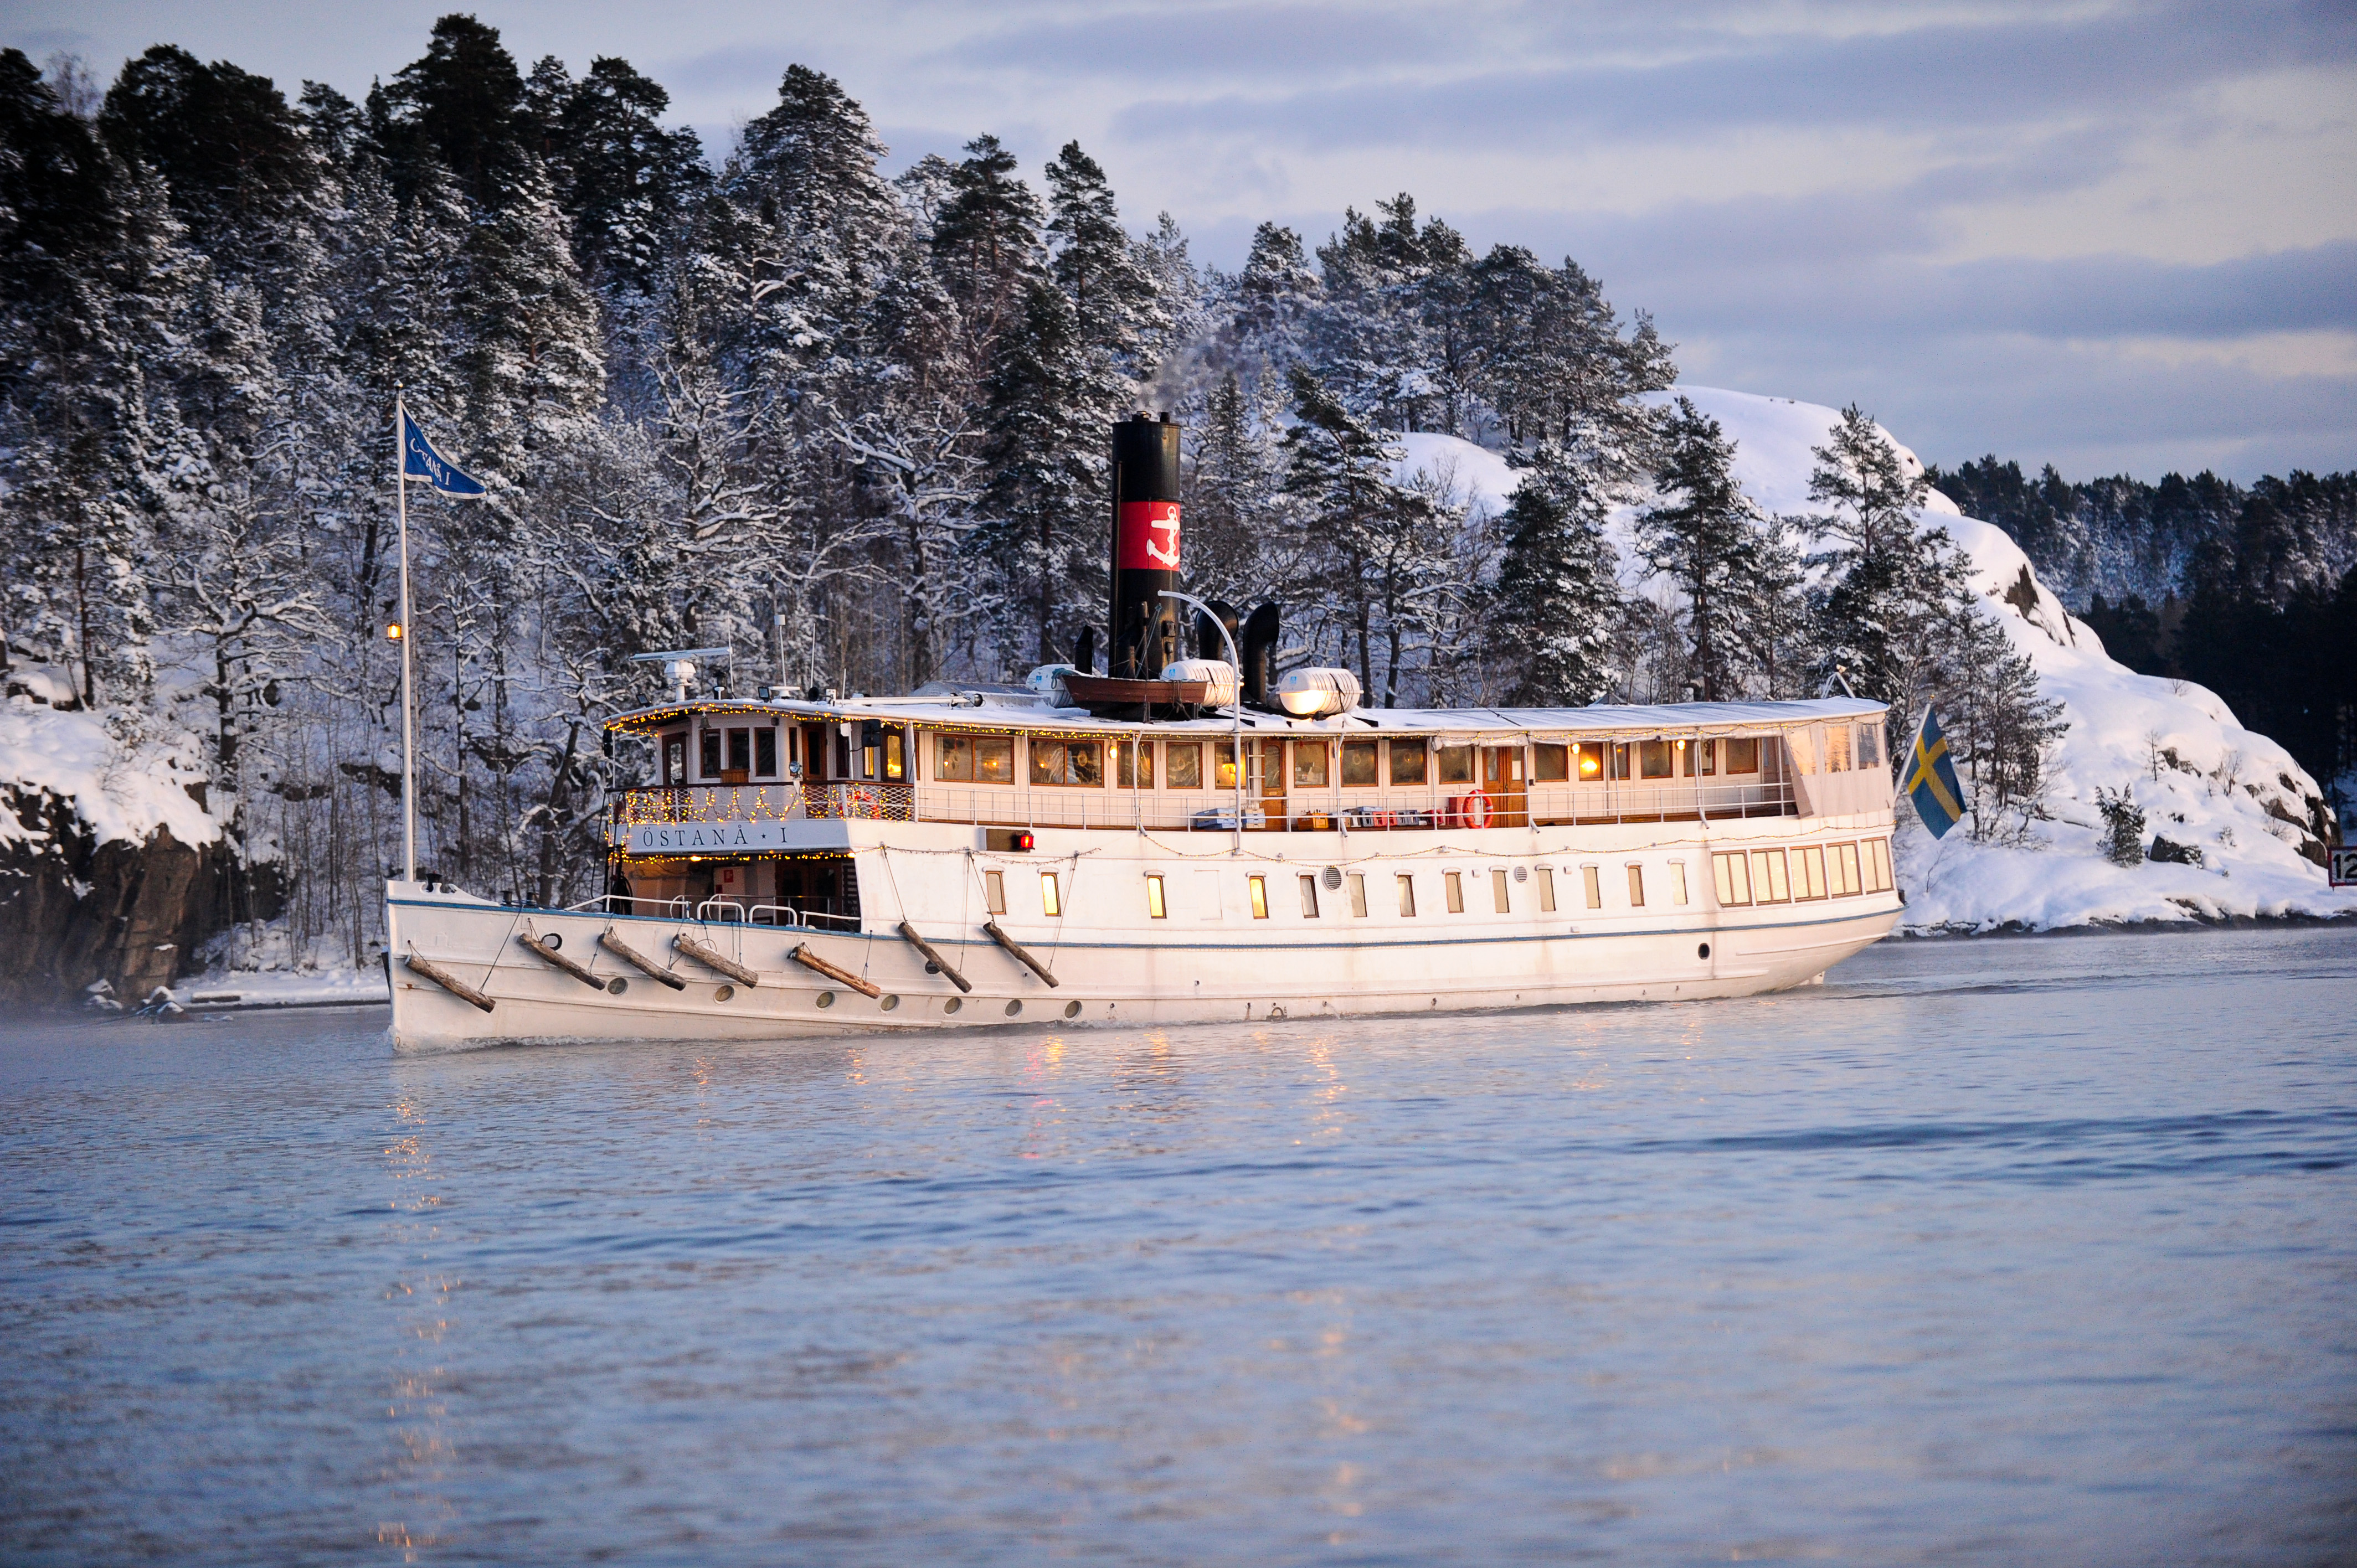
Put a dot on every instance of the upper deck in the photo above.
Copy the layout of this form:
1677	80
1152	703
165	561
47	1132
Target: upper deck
997	756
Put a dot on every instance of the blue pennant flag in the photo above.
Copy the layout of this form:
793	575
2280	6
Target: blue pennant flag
420	461
1931	779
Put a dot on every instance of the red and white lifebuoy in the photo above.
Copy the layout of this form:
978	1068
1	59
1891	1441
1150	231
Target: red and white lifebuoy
865	803
1472	810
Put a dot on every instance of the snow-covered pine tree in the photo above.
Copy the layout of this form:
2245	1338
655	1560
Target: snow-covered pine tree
1114	309
623	179
1892	583
1702	537
2001	729
985	239
1044	487
1377	547
1557	602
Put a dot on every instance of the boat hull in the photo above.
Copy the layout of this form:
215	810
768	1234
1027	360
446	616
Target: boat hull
1228	964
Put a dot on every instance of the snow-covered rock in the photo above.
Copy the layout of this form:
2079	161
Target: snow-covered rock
2201	780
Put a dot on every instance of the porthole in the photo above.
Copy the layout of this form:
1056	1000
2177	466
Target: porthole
1072	1009
954	1003
1013	1008
555	939
723	994
1702	950
889	1002
1332	877
1522	873
826	998
617	985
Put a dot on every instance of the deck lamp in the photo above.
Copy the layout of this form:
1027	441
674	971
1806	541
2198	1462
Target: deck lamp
393	633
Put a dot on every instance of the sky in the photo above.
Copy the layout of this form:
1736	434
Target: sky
2111	237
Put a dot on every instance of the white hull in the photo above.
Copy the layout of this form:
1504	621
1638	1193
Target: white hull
1208	960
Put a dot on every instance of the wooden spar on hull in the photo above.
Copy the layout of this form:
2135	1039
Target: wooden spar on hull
447	981
802	955
576	971
630	955
712	958
1011	945
908	932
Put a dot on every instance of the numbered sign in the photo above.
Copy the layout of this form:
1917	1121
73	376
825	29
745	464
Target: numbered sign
2344	866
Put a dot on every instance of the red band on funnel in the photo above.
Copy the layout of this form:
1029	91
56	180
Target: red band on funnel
1149	537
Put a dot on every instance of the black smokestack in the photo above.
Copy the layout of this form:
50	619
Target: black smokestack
1144	547
1259	640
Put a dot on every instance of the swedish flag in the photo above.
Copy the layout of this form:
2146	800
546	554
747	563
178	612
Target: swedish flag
1931	779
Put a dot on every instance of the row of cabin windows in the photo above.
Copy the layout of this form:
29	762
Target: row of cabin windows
1080	763
1741	876
1793	876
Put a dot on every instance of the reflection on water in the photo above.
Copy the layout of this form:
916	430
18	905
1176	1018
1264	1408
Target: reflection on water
2002	1252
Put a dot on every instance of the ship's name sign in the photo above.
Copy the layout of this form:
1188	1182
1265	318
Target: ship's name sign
696	838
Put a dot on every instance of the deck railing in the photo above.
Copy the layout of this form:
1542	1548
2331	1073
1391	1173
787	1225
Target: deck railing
1319	809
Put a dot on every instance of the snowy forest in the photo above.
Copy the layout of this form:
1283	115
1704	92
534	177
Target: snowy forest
2249	590
851	424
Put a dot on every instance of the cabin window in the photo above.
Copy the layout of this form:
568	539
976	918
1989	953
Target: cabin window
1877	853
1809	873
1259	889
674	754
1743	754
1358	764
1545	875
1620	761
740	751
1869	746
1052	895
994	891
1308	897
1309	765
1592	881
1636	887
1457	764
1706	757
1837	748
1689	760
708	760
1406	894
1455	882
974	758
1800	745
1358	895
1550	764
1156	907
1767	879
1498	889
1677	881
1732	873
765	752
1407	761
895	763
1223	764
1070	764
1587	762
1134	764
1653	758
1183	765
1842	864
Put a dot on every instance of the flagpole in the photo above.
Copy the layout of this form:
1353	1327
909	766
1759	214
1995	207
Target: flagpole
408	751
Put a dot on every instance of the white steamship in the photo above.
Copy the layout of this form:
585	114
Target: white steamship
1179	841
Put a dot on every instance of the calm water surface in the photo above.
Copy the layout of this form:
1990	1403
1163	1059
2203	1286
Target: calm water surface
2007	1251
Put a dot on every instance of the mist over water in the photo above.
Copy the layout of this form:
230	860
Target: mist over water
1992	1251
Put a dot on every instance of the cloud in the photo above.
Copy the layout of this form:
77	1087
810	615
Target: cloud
1930	79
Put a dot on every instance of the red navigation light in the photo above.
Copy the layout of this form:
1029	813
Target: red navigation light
1024	840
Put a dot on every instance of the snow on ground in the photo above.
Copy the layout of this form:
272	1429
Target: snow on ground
2201	780
250	966
119	791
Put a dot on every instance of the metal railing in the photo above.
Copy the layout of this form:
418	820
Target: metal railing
715	911
1314	809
